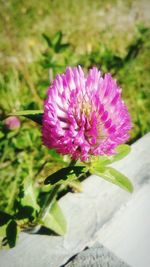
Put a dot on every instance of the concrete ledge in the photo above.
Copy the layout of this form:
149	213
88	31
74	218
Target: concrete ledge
127	234
96	256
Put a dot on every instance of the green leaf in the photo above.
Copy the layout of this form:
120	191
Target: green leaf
101	161
27	197
4	218
61	47
47	39
3	239
2	232
121	152
1	135
57	38
34	115
115	177
23	140
30	198
11	233
64	174
55	156
54	219
24	212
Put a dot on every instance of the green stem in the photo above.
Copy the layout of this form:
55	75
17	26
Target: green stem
51	196
72	163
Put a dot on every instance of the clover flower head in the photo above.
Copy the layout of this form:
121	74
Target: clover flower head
84	114
12	123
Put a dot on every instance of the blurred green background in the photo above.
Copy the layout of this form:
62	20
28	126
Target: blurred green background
38	40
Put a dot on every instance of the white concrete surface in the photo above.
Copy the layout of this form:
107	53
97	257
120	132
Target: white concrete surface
127	234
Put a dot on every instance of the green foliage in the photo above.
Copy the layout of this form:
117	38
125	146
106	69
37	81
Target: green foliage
23	164
56	42
27	212
4	218
100	166
113	176
11	233
24	212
